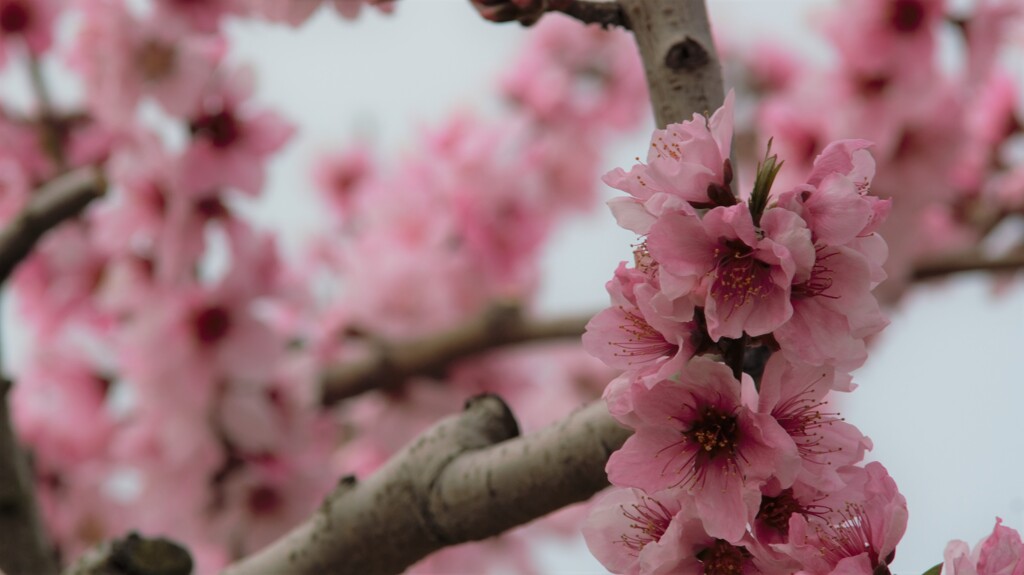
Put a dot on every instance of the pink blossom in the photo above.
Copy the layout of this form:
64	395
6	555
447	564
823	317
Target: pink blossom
796	396
582	75
231	143
123	59
696	434
858	536
745	275
58	408
200	15
29	22
1000	553
687	163
339	177
629	531
296	12
633	335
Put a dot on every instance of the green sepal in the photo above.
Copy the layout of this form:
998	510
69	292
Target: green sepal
936	570
767	169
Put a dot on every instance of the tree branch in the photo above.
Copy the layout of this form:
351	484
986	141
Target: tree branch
972	262
683	73
391	365
24	546
59	199
605	13
133	555
467	478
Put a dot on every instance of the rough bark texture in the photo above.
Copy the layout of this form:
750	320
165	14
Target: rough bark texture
683	72
133	555
392	364
463	480
58	200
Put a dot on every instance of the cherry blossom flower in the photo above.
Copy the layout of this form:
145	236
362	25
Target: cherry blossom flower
1000	553
697	435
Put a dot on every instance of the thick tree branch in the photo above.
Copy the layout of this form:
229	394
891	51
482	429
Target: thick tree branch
941	267
467	478
59	199
133	555
683	73
392	364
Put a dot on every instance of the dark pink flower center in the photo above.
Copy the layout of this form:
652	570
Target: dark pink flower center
221	129
906	16
211	207
723	558
715	432
155	60
264	500
649	520
15	17
741	277
211	324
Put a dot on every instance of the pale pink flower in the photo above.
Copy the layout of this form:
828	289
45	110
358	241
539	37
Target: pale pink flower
340	176
58	408
296	12
200	15
231	143
1000	553
629	531
696	434
569	73
687	164
123	59
796	396
631	335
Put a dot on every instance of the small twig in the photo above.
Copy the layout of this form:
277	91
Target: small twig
605	13
24	547
467	478
972	262
58	200
48	121
133	555
391	365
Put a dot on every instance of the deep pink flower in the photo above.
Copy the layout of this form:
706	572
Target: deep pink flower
856	536
745	274
29	22
696	434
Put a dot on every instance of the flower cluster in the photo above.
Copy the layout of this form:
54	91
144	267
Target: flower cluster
954	179
736	321
183	354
